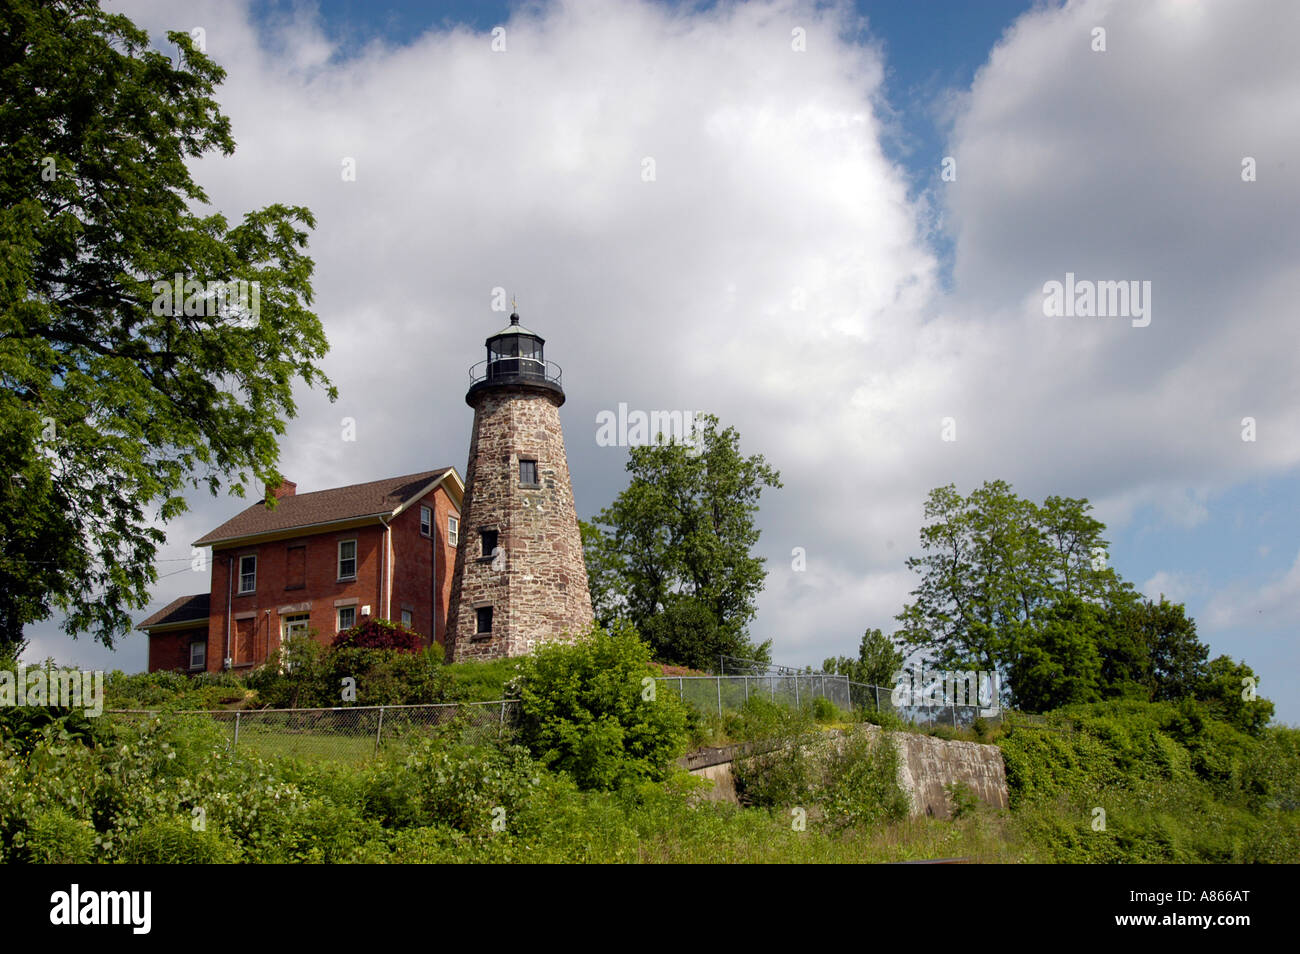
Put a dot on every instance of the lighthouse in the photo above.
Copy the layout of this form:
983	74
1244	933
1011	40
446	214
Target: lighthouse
520	579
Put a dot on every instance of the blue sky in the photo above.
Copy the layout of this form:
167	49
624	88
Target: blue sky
809	177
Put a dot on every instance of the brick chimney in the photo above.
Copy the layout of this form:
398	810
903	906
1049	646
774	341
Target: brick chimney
286	489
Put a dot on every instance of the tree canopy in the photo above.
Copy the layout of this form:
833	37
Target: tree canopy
878	660
1027	590
672	554
145	348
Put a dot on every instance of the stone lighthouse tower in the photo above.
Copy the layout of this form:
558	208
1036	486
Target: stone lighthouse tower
520	579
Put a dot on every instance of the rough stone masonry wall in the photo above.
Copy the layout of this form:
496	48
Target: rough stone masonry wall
538	591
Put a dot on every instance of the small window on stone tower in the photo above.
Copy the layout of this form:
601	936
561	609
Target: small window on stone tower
488	539
484	619
528	472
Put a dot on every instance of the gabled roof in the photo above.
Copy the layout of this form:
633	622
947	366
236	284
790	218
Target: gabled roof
180	610
323	507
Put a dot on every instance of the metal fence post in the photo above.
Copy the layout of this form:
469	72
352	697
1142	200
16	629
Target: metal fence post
796	690
501	726
235	744
746	688
379	730
719	697
877	695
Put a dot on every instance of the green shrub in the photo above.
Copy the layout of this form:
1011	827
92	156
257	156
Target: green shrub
859	781
782	775
823	710
173	690
294	676
54	837
466	788
389	676
171	840
316	677
887	719
760	719
482	681
591	708
962	800
851	777
24	726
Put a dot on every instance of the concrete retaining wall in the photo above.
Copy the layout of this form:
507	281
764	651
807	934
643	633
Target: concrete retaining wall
926	765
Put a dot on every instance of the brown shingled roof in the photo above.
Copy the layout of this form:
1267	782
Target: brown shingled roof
179	610
323	506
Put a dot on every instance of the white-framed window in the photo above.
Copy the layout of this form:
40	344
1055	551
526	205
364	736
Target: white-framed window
347	559
296	624
453	530
426	521
347	618
407	618
199	654
248	573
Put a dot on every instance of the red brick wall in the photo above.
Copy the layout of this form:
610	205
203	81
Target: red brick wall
272	591
445	508
414	555
172	650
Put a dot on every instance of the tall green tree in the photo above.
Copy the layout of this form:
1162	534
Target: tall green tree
605	573
1231	691
115	395
1028	590
1060	663
673	553
878	659
991	564
1177	658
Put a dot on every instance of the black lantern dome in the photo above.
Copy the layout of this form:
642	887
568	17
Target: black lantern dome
515	359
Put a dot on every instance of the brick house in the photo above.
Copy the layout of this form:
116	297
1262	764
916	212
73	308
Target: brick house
319	561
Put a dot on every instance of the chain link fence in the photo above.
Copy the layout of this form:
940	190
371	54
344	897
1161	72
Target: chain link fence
790	687
720	693
352	733
927	714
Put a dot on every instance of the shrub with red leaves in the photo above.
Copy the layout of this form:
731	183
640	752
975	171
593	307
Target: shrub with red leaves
379	634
